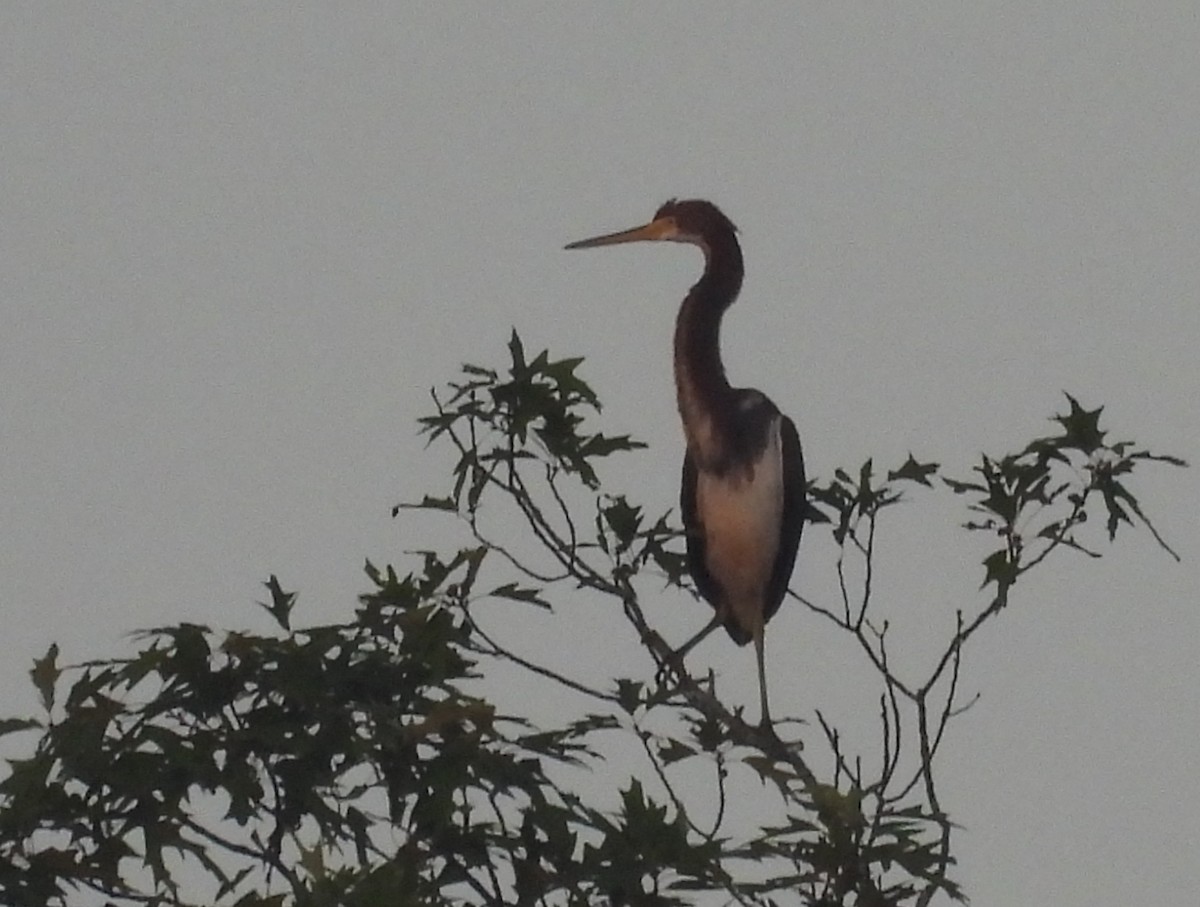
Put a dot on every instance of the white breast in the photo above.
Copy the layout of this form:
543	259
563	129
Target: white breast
741	513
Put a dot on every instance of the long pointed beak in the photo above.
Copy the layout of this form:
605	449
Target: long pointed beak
663	228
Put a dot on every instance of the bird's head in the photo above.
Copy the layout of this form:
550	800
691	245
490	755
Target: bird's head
694	221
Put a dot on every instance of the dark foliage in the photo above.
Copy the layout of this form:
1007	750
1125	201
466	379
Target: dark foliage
363	762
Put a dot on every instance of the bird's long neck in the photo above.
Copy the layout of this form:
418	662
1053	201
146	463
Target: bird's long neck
702	389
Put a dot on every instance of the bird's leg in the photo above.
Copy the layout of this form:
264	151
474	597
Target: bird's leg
762	673
676	659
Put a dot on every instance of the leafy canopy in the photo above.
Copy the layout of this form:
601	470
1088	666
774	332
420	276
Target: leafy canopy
366	761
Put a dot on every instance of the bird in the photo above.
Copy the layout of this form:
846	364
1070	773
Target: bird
742	494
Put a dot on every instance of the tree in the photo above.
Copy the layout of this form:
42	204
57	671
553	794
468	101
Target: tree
368	762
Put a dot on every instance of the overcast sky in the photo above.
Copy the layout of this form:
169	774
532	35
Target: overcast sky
240	243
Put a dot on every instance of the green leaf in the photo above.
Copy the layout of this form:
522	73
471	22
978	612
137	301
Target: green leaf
603	445
834	808
962	487
998	568
517	350
281	604
629	694
486	373
1081	428
674	751
770	769
429	502
914	471
624	520
864	480
13	725
522	594
570	385
45	673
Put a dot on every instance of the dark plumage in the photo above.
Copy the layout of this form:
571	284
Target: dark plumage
742	494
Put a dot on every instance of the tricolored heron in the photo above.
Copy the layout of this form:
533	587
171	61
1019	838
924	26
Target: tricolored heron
743	471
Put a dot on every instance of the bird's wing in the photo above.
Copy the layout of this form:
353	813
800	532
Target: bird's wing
793	514
694	534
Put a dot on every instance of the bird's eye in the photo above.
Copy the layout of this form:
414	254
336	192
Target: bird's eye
669	228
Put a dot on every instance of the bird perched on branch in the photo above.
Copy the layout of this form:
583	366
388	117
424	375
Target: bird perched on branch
743	472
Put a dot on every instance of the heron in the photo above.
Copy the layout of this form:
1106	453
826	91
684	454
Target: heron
743	489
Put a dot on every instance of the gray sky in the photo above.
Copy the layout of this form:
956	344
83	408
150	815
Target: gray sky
240	244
